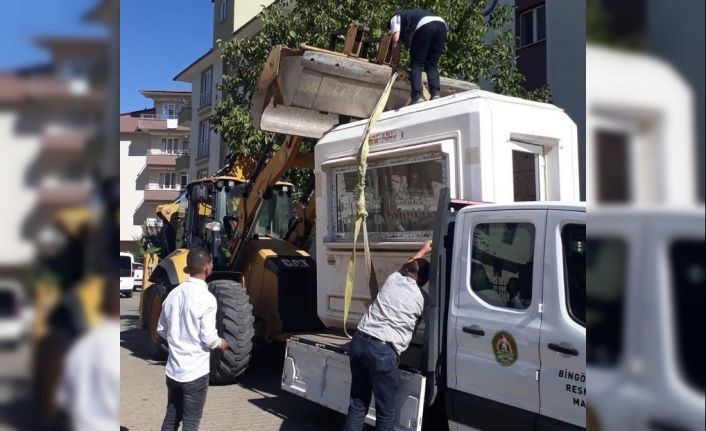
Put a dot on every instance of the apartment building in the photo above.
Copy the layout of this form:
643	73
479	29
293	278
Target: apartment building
551	50
230	19
151	142
49	114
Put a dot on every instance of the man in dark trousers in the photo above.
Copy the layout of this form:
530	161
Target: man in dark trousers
424	34
188	323
384	332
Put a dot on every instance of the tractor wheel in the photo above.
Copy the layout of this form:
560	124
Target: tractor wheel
234	321
157	348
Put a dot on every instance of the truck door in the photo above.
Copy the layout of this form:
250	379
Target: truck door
562	347
495	318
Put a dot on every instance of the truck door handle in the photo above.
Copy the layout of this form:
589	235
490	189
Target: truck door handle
473	330
564	350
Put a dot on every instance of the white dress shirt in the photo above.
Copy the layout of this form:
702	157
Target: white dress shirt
188	323
89	389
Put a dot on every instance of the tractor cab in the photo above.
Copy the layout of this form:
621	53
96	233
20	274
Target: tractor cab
213	210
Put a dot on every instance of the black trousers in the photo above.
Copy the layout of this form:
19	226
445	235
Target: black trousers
425	50
185	402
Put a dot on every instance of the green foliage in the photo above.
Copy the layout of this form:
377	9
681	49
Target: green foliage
599	24
470	53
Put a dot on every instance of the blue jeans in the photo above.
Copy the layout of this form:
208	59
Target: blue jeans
185	402
374	370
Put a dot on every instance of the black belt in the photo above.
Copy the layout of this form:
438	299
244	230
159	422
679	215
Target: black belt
370	337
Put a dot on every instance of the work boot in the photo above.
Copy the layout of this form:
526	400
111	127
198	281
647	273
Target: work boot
417	100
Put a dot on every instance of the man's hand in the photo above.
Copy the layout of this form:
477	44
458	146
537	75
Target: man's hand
223	346
426	249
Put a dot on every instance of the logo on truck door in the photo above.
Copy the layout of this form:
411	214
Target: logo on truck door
504	348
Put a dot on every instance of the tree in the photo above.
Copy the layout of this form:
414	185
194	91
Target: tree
470	54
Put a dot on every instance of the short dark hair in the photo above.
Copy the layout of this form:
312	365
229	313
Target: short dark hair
419	267
197	259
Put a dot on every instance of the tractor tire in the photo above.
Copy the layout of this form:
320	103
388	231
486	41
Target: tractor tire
235	322
128	294
157	348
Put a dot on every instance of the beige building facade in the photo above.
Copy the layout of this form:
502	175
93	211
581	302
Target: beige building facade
230	19
151	141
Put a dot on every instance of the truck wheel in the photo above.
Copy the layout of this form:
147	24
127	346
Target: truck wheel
234	321
128	294
157	348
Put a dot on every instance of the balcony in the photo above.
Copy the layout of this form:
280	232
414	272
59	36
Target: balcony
53	191
182	162
161	193
64	142
185	115
159	122
157	157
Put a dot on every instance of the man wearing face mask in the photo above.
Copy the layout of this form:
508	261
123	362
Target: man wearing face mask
384	332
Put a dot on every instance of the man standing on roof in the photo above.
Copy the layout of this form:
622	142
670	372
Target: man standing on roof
424	34
384	332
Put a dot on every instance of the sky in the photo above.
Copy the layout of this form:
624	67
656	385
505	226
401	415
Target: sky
22	21
158	39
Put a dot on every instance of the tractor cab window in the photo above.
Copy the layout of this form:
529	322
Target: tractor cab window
273	220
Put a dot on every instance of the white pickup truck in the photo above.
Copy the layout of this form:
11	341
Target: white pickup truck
492	365
485	364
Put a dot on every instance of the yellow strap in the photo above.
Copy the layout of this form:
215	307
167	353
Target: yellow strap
362	213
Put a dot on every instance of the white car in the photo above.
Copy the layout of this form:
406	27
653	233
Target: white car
15	315
138	275
127	274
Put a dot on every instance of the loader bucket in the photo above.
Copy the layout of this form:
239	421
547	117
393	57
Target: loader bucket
305	92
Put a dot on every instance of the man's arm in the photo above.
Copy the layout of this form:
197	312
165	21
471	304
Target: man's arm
163	324
208	333
395	48
426	249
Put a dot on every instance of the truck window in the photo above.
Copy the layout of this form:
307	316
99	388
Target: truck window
687	276
501	264
125	266
573	244
606	264
401	196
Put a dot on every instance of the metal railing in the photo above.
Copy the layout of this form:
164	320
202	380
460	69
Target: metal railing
158	117
167	187
161	152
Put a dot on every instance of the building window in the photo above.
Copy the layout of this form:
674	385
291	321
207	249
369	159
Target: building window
203	173
204	138
170	145
533	26
183	180
206	84
224	10
167	180
170	110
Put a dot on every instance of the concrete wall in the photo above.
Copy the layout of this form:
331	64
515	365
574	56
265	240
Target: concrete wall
566	67
675	33
18	151
133	148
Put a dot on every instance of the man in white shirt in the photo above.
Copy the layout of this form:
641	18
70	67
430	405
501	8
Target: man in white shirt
424	34
188	323
89	389
384	332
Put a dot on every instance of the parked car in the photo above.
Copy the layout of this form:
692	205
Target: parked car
127	274
138	276
15	313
